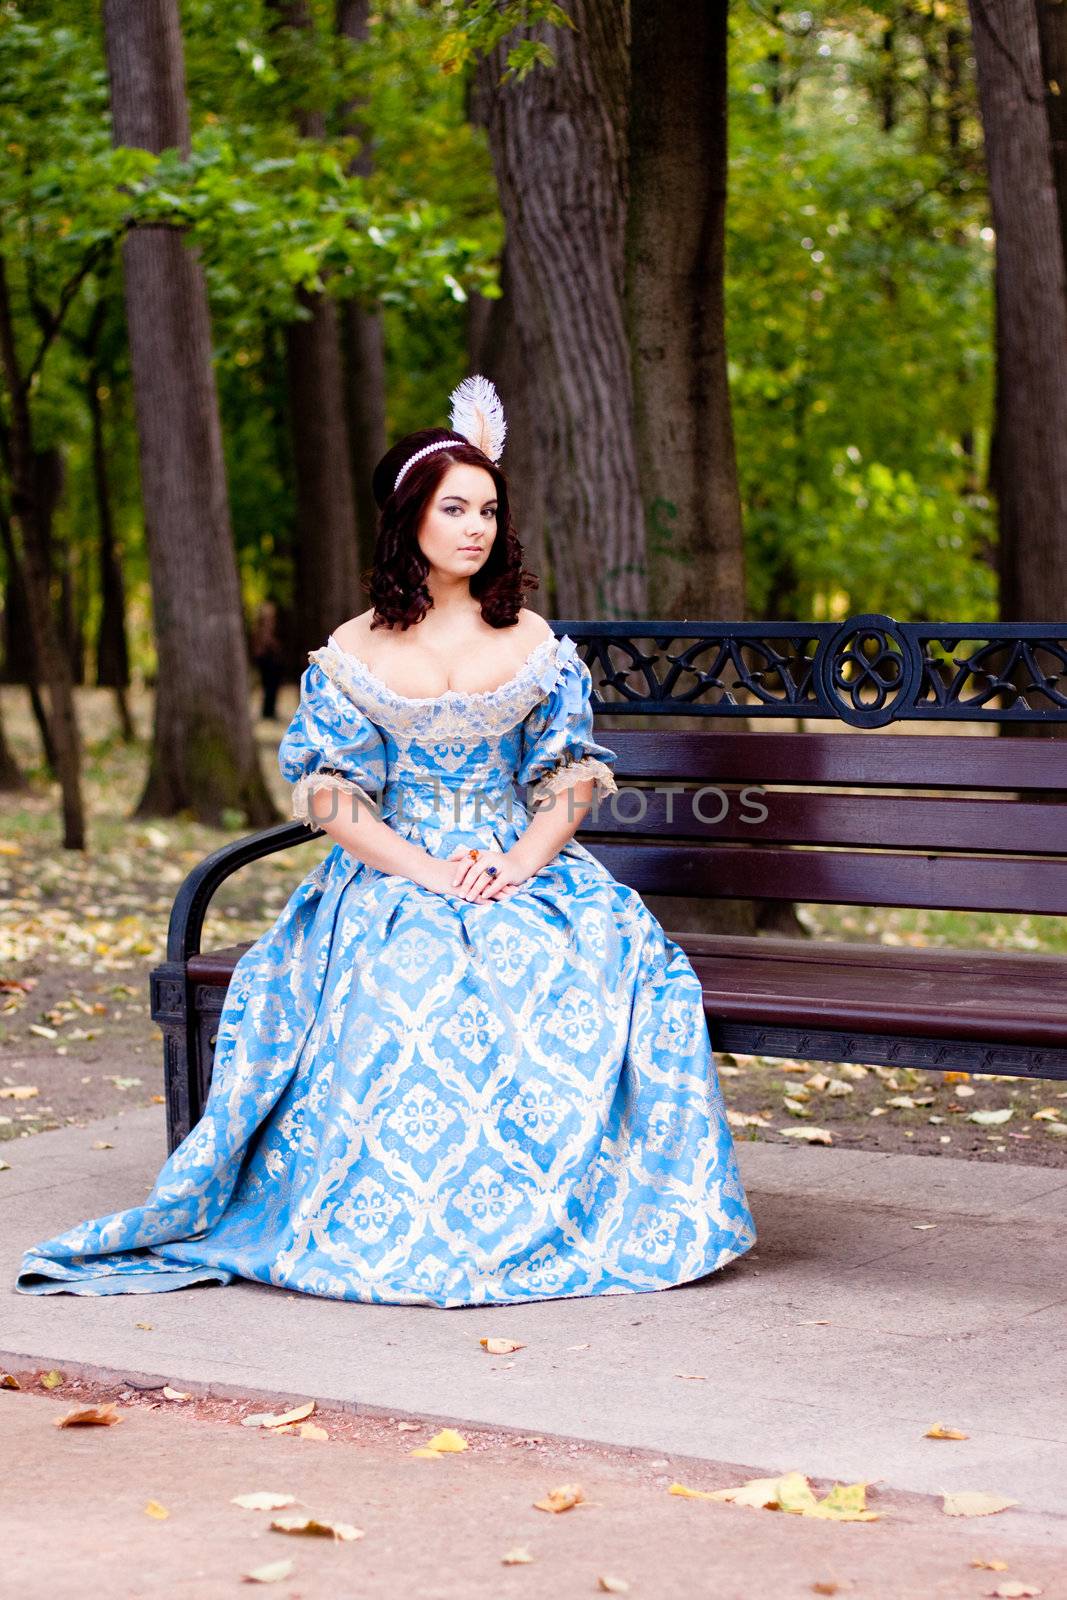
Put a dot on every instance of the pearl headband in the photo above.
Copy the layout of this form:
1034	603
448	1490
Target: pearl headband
478	415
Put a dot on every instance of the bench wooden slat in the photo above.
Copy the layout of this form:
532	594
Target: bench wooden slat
907	821
840	877
880	989
925	761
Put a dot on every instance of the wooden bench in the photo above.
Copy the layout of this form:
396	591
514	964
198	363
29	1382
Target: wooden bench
974	823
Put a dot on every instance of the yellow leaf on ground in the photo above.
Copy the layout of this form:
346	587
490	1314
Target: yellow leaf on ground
993	1565
447	1440
501	1347
154	1509
613	1585
561	1498
90	1416
273	1572
694	1494
425	1452
846	1502
809	1135
267	1419
19	1091
794	1493
262	1500
50	1380
519	1557
940	1431
312	1430
758	1492
300	1522
175	1394
973	1503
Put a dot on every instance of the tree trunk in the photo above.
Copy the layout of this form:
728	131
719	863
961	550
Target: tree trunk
362	330
203	753
326	585
559	146
112	654
676	314
1030	463
29	557
1052	37
497	349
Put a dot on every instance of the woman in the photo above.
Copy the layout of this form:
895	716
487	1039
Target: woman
465	1066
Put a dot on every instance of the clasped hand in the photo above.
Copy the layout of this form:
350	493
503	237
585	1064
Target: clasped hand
472	880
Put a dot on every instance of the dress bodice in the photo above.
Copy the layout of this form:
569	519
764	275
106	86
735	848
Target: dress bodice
443	768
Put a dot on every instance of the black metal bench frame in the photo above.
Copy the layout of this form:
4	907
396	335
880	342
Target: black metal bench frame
824	837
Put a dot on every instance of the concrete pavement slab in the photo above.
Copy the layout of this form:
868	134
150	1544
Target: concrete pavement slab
829	1348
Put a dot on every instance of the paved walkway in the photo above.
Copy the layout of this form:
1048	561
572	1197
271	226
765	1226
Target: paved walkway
829	1349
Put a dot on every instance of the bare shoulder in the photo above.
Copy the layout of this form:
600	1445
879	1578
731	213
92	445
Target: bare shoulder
356	635
534	626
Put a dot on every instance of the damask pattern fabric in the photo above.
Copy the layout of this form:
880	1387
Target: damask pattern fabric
421	1100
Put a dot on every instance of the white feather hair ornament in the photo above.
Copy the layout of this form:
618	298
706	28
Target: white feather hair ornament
477	414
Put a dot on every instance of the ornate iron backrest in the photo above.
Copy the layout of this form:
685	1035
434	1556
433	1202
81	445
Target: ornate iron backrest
867	671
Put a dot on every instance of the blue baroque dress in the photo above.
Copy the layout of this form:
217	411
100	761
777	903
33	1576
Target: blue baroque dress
421	1100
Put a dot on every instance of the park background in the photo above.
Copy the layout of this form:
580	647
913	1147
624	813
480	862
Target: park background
777	305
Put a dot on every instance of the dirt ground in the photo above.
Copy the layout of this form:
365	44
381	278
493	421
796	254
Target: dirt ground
144	1507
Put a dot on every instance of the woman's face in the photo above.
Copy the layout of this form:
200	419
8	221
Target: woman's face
459	522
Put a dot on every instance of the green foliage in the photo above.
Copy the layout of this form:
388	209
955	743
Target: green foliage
859	316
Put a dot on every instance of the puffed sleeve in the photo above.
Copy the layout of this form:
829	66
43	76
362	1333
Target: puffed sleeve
558	747
330	744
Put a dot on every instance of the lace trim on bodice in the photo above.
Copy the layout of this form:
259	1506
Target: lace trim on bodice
457	713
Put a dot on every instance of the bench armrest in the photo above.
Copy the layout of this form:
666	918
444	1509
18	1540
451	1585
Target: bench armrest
193	898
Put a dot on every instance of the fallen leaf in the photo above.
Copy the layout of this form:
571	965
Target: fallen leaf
300	1522
701	1377
561	1498
312	1430
613	1585
578	1346
757	1492
1012	1589
424	1452
273	1572
693	1494
146	1325
174	1394
154	1509
809	1135
991	1118
262	1500
8	1381
88	1416
408	1427
501	1347
266	1419
50	1380
447	1440
101	1144
973	1503
993	1565
517	1557
19	1091
940	1431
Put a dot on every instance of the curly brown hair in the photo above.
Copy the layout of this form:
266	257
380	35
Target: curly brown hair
396	582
